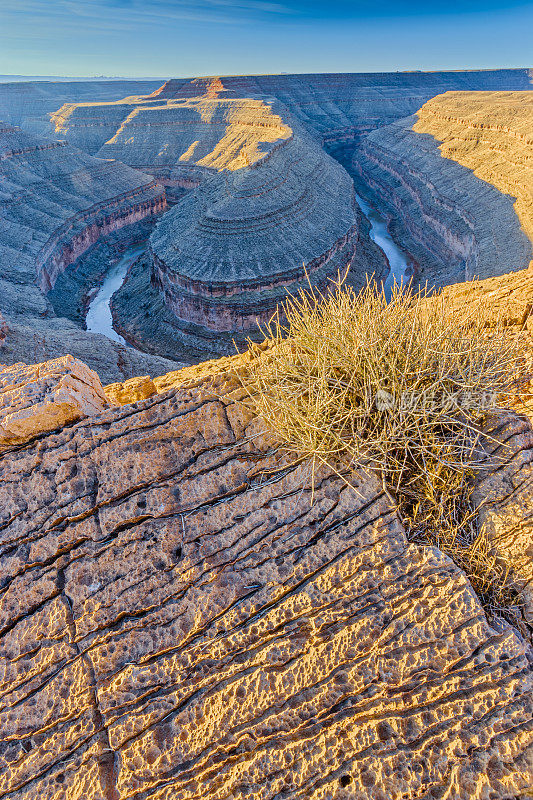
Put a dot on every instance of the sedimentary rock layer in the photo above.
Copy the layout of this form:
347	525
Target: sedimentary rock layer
456	225
29	104
181	618
491	133
207	132
226	254
336	106
55	202
39	398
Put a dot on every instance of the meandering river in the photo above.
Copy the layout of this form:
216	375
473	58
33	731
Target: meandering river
99	319
399	261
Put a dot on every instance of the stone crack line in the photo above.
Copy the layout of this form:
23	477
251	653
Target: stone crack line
108	762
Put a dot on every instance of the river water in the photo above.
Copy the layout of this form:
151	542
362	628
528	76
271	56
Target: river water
399	262
99	319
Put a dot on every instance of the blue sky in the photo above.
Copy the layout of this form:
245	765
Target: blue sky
183	38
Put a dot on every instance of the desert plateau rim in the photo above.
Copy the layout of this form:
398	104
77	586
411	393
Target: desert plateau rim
198	599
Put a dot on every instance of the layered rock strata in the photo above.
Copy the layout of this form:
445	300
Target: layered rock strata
225	256
55	203
491	133
335	106
176	141
467	214
29	104
189	317
455	225
273	210
182	618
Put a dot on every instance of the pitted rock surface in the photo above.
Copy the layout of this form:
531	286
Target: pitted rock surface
39	398
180	619
503	494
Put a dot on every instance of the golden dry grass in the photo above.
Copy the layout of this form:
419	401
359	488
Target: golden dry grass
402	387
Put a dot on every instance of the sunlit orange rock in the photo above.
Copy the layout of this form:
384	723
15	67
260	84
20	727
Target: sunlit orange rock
182	618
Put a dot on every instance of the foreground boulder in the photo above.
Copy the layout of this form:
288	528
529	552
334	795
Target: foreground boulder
39	398
181	618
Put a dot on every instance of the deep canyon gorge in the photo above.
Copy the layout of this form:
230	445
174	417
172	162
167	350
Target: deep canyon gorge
188	612
239	185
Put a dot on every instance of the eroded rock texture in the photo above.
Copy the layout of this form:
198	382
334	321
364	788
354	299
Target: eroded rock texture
181	620
39	398
30	103
504	495
490	133
335	106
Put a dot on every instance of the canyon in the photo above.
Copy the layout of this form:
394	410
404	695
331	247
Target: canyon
260	207
186	611
56	202
250	203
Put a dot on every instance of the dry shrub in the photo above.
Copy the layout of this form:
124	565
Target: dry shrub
399	385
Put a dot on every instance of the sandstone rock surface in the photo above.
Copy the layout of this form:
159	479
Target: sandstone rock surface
38	398
503	495
130	391
180	620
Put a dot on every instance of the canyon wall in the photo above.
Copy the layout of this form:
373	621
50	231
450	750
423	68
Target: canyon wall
456	225
268	205
28	104
334	106
55	202
491	133
227	254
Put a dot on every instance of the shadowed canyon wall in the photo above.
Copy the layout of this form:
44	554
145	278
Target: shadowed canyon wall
56	202
467	214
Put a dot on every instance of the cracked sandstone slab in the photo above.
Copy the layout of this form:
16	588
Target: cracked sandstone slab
179	620
39	398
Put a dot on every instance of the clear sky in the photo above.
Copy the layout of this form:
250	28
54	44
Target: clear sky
182	37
